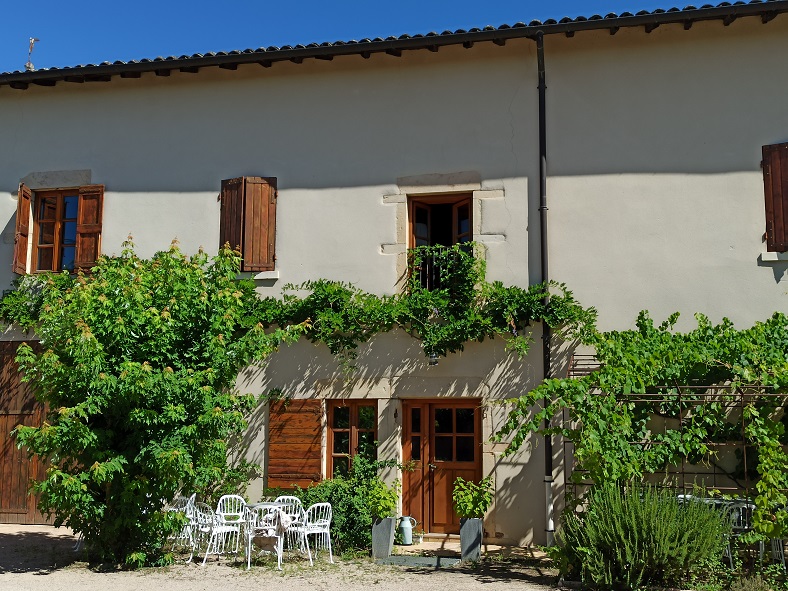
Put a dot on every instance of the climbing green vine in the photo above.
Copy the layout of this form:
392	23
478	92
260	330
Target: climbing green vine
706	376
461	308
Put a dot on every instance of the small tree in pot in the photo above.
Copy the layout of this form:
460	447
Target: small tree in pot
383	507
471	501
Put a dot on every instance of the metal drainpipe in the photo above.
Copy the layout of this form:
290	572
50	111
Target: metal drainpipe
546	331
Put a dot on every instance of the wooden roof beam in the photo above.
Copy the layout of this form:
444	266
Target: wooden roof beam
228	66
767	16
394	52
18	85
189	70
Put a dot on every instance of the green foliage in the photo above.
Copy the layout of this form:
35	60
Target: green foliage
472	499
355	499
463	308
383	499
637	536
138	365
610	411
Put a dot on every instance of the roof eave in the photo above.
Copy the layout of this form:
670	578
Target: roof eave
162	66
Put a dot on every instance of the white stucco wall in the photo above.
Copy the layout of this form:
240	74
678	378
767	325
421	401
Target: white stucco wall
656	192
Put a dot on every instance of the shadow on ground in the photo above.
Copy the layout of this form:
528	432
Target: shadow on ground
34	550
514	565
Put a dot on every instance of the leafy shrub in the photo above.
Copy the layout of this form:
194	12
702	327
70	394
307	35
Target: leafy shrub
353	499
471	499
138	365
631	537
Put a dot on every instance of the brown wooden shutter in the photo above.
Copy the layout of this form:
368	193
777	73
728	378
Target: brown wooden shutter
295	436
231	216
775	183
248	220
22	229
89	215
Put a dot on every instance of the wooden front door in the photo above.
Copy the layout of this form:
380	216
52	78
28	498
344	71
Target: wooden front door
18	406
442	440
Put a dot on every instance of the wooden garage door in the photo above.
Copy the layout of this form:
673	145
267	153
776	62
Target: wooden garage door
18	406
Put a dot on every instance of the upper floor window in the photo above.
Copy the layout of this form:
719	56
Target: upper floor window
65	233
775	182
248	220
438	220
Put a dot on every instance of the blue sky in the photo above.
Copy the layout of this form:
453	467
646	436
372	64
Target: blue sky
91	31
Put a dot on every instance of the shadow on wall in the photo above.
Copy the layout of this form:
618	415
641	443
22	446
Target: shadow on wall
392	365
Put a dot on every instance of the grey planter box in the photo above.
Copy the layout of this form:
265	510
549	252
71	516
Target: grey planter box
382	537
471	531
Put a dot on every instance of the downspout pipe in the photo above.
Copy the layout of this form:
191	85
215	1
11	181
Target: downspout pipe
546	330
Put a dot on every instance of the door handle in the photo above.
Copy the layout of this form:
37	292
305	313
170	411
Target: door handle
432	466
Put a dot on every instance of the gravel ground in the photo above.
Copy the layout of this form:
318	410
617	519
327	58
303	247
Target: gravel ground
39	558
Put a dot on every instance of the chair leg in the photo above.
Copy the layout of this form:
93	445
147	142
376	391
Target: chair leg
328	541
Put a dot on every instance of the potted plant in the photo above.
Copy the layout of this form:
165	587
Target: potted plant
471	501
383	507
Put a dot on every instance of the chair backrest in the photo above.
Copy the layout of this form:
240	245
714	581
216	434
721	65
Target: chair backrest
231	508
740	513
319	514
182	503
291	506
203	515
262	517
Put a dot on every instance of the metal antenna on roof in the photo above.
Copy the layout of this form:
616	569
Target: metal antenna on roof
29	65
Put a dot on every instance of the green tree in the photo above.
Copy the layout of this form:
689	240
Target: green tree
138	364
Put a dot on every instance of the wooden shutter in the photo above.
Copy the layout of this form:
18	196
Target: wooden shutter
248	220
89	215
231	216
22	229
295	436
775	182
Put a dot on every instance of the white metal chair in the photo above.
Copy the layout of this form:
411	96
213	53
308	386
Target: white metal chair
317	522
292	507
230	516
212	533
264	522
185	505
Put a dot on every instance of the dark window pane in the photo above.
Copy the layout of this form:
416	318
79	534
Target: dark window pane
70	207
46	233
70	233
341	417
67	258
341	443
415	420
465	449
443	420
444	451
48	208
45	256
366	417
341	465
366	444
415	447
463	220
465	422
464	239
